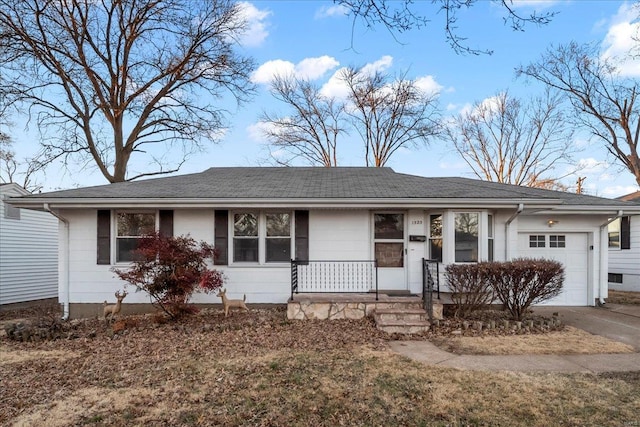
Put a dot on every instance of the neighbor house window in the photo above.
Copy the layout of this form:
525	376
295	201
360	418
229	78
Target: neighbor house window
615	278
435	237
557	241
466	236
255	234
389	239
620	233
245	237
537	241
11	212
130	227
278	239
490	237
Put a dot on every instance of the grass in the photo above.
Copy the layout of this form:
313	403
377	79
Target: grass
355	387
256	369
568	341
622	297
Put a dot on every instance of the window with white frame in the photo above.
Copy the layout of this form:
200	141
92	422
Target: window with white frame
537	241
130	227
490	237
614	233
558	241
435	237
254	233
466	236
278	237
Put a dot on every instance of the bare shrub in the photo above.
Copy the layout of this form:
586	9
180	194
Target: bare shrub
469	286
522	282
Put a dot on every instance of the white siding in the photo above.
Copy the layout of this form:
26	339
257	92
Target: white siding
340	235
627	261
28	254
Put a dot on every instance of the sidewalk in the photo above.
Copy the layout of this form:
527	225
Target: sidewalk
428	353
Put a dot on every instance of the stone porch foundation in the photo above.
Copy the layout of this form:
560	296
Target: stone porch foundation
350	306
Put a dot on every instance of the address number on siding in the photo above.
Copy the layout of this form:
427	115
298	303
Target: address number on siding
417	222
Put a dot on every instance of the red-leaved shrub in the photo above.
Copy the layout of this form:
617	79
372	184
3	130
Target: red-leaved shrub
170	270
470	286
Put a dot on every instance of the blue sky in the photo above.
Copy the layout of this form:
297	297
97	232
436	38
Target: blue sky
314	39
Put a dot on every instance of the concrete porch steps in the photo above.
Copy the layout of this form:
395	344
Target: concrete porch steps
401	320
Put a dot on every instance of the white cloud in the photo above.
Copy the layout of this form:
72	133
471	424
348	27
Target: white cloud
255	131
619	41
618	190
381	64
331	11
308	68
428	85
451	107
534	4
591	166
314	68
256	32
270	69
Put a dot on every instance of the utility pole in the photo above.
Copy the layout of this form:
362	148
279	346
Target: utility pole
580	181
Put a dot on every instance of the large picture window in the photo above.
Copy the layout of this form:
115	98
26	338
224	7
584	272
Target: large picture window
466	237
256	233
130	227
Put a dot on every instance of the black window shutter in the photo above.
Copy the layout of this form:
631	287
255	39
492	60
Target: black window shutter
104	237
221	240
302	235
625	232
166	223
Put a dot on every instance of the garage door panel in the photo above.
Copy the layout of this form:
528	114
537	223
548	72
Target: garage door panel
574	258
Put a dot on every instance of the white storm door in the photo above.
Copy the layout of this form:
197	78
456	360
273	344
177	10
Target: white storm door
389	243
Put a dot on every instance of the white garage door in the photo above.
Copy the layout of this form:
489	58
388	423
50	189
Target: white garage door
571	249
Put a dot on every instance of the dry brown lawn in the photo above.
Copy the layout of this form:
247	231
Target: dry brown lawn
259	369
568	341
621	297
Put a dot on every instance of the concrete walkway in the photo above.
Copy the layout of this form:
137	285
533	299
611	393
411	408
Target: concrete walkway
617	322
428	353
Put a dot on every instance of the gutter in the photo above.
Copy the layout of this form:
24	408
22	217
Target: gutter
507	227
65	267
604	249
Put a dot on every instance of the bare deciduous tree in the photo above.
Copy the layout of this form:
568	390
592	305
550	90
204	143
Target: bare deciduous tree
311	131
389	113
604	102
115	79
505	140
400	16
12	170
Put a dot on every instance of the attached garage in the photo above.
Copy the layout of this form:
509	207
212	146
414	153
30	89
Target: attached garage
572	250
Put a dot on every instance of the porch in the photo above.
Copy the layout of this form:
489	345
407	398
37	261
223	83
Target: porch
349	290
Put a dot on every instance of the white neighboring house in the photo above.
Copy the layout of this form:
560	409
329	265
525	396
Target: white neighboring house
337	223
28	251
624	250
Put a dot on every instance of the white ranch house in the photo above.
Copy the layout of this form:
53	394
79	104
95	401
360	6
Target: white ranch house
28	251
338	223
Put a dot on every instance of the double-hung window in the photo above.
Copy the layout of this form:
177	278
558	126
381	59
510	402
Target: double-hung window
245	237
466	236
130	227
435	237
260	237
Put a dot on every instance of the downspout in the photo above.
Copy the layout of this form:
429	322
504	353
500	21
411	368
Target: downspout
65	264
506	230
604	248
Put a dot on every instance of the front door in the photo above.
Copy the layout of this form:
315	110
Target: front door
389	243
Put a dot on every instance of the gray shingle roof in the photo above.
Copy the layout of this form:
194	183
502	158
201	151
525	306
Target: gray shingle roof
272	183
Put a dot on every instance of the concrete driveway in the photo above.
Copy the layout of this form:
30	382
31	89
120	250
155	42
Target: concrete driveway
615	321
